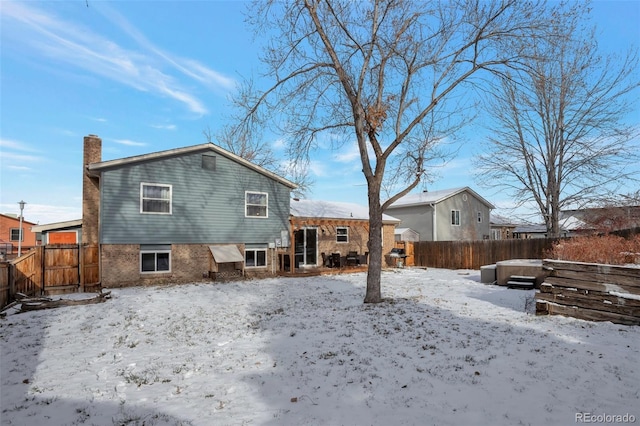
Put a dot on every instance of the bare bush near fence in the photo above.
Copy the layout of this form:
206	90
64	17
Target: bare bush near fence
608	249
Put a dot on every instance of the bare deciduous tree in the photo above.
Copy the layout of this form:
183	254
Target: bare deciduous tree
559	137
389	76
260	153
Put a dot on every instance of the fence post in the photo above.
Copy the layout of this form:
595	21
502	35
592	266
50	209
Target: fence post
12	282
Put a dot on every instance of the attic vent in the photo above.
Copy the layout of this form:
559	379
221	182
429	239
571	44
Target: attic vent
209	162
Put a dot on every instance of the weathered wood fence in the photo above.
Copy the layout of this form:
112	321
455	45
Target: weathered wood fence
50	269
590	291
474	254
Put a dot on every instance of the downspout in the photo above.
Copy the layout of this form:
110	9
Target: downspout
434	222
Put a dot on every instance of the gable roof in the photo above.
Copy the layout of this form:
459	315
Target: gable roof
57	225
435	197
17	218
333	210
95	168
500	220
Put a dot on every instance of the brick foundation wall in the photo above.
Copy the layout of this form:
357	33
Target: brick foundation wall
189	263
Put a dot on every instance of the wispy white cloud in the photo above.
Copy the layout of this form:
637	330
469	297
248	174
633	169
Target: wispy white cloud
15	145
164	126
145	70
19	168
12	156
129	142
279	144
318	168
18	154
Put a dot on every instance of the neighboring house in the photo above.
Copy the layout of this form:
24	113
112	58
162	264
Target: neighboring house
406	234
10	235
323	228
501	227
447	215
600	220
527	231
68	232
181	215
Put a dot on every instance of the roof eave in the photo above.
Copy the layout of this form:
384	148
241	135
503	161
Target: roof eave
94	169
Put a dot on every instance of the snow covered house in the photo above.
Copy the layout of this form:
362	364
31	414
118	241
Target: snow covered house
181	215
447	215
333	234
406	234
502	228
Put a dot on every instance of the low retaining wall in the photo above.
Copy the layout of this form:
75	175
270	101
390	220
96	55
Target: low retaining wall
590	291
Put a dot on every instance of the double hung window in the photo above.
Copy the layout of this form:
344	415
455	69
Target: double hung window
256	204
155	198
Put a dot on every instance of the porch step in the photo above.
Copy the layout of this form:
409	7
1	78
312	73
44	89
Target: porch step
522	282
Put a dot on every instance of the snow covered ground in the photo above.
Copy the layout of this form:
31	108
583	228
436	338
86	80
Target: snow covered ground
443	350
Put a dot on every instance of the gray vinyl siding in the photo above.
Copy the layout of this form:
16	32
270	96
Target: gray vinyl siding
208	207
469	228
420	219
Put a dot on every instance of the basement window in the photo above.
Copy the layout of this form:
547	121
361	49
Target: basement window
255	258
155	258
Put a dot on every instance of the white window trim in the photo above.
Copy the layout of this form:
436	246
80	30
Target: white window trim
266	206
143	184
457	217
346	228
156	252
255	250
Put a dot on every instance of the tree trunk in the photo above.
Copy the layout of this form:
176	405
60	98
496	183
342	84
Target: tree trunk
373	294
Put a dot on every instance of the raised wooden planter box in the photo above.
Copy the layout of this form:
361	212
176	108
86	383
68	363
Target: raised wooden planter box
590	291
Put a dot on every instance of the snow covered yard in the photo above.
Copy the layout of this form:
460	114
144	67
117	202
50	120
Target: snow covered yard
444	350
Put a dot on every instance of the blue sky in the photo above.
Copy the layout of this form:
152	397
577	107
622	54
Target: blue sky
147	76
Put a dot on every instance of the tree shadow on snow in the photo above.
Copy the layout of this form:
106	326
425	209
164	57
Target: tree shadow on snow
25	401
408	360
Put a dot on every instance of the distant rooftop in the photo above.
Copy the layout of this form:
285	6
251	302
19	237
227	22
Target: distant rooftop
332	210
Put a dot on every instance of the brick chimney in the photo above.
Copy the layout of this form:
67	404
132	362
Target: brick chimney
92	153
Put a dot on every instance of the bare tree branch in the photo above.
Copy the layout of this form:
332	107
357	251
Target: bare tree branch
387	75
560	138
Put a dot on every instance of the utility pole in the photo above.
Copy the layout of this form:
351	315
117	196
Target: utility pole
20	235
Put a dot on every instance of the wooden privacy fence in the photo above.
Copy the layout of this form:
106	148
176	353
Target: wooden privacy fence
590	291
50	269
474	254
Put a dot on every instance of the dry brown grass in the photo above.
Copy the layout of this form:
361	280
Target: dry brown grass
607	249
